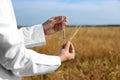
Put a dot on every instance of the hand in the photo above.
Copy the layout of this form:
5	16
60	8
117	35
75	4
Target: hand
67	52
54	24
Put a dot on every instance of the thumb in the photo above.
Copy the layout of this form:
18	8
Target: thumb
67	45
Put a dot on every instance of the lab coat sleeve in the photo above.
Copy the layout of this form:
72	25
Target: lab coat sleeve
33	36
21	61
14	56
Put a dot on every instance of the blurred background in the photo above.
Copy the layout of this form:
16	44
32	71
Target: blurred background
79	12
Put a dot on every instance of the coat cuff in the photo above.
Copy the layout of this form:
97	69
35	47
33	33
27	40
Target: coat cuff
37	37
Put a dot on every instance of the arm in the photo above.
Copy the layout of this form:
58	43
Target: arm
15	57
13	54
21	61
25	62
33	36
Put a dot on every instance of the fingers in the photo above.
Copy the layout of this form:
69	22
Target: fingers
58	27
71	49
59	22
67	52
67	46
59	19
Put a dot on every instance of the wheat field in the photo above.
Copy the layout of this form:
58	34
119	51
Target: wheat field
97	54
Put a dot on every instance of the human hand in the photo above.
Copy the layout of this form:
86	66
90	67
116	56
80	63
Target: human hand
54	24
67	52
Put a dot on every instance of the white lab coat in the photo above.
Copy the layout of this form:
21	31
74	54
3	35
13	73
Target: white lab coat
15	60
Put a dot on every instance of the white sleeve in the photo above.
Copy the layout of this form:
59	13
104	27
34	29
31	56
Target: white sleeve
21	61
13	54
33	36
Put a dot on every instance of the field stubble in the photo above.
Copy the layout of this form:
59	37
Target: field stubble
97	54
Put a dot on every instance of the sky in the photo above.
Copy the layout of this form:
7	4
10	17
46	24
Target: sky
78	12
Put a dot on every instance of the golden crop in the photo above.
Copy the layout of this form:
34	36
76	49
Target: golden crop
97	54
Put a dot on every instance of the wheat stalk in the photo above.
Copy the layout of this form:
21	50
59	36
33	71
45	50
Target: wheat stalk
63	33
73	35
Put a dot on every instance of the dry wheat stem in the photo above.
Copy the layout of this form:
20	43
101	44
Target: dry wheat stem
63	33
73	35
